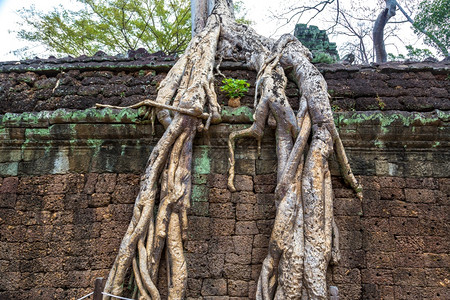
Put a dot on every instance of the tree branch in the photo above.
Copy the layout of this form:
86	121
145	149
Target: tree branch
147	102
428	34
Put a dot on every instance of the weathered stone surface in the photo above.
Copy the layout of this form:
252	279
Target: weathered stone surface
69	180
238	288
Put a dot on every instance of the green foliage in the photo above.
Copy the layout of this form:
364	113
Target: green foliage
240	13
113	26
417	53
394	57
235	87
322	57
335	108
381	103
414	54
434	18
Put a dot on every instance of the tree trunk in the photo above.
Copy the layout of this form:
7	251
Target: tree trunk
200	11
303	241
378	30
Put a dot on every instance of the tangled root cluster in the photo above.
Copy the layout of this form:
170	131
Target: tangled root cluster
304	237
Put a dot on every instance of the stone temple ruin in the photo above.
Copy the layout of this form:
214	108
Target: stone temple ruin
69	175
315	40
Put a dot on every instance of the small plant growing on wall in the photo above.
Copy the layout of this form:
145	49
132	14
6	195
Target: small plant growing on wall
235	88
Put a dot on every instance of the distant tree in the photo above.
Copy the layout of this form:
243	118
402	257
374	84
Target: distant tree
369	25
357	32
378	29
433	20
353	20
356	22
240	12
113	26
414	54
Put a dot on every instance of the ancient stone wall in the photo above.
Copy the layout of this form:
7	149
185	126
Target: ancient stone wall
69	175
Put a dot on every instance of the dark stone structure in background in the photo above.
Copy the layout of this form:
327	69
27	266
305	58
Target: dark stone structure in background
315	39
69	175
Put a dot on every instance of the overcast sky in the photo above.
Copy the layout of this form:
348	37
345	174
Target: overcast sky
259	11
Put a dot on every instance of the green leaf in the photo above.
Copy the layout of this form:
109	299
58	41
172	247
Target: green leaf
113	26
235	87
433	17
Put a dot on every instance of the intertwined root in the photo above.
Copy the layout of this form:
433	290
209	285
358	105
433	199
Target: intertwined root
304	237
180	106
302	243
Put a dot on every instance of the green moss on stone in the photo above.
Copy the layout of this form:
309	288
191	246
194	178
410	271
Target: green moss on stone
37	133
9	169
202	164
239	112
378	144
95	144
199	193
386	119
436	144
4	133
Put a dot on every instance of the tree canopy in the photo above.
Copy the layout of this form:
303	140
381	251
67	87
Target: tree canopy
433	19
111	26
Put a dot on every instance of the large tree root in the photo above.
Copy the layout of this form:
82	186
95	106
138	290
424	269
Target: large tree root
304	237
302	244
179	106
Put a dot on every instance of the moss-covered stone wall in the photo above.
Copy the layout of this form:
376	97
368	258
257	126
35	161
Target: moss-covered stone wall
69	174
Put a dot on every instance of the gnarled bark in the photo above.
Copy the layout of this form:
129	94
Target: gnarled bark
187	88
378	30
302	244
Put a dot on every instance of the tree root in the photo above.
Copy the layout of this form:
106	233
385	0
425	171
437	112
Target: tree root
179	106
303	240
150	103
304	237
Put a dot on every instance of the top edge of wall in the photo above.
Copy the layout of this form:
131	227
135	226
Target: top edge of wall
163	64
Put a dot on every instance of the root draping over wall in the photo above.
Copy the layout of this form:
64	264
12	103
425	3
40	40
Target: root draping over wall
304	237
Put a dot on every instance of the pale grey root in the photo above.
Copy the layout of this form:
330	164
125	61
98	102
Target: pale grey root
303	241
